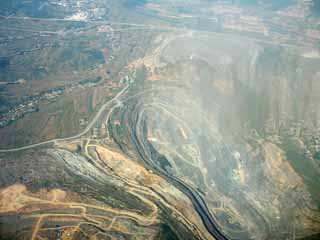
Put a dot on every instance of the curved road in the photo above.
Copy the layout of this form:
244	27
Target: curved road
138	139
85	131
197	200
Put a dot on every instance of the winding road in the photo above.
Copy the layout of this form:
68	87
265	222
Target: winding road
85	131
134	122
198	202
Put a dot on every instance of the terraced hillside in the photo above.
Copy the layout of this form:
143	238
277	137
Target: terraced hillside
159	120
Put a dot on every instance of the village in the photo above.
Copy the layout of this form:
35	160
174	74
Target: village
30	104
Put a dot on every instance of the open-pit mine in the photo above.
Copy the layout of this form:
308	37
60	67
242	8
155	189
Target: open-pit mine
159	120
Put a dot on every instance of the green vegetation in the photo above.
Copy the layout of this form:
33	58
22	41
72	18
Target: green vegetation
304	167
35	8
58	118
140	81
86	81
166	233
317	156
79	56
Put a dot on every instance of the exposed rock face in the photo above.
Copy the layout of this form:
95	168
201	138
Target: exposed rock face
265	86
226	129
